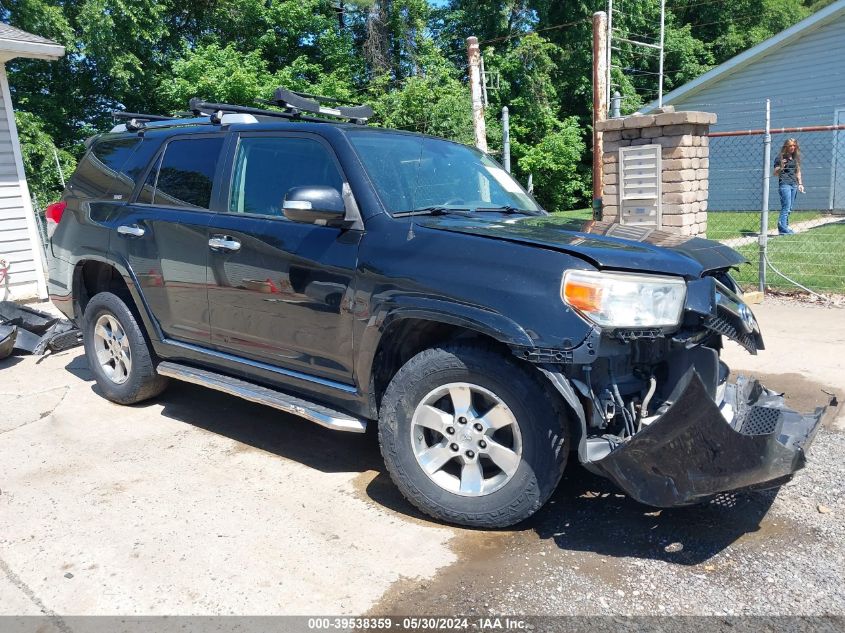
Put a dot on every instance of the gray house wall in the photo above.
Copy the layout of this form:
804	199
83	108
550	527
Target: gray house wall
20	245
805	80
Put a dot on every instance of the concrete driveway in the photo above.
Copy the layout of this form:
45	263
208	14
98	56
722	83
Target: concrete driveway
200	503
196	503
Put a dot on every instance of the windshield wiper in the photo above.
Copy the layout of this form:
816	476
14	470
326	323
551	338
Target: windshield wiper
433	210
509	209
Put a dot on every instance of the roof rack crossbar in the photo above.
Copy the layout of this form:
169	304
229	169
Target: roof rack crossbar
294	105
309	103
203	107
123	115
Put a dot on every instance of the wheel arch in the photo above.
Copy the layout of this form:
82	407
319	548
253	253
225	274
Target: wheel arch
95	274
405	331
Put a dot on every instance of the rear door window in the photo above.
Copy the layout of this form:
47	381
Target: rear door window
184	174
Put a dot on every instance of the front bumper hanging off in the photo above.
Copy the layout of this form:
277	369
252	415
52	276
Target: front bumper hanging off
693	452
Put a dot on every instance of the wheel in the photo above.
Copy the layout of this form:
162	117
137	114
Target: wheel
117	352
471	437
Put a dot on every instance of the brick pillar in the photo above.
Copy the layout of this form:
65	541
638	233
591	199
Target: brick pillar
685	164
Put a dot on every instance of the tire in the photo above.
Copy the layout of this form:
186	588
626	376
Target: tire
117	352
480	485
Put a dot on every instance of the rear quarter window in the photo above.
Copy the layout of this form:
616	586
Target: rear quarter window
112	166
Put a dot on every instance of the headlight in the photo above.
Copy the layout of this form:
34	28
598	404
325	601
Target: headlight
618	300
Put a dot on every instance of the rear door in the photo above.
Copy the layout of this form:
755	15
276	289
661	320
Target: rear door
163	234
278	289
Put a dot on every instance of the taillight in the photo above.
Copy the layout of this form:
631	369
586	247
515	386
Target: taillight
54	213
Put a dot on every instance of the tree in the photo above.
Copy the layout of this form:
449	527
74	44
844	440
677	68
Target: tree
407	57
40	155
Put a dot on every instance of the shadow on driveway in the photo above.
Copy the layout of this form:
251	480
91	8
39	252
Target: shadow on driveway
9	361
257	426
587	513
269	430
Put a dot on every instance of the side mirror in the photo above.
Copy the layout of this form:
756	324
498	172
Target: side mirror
315	205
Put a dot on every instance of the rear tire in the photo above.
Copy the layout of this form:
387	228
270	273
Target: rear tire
117	352
472	437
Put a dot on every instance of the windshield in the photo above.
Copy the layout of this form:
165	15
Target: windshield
412	173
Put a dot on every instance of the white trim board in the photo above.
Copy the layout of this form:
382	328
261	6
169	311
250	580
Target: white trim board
10	49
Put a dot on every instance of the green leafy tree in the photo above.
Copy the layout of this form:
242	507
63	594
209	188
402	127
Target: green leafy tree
40	156
554	164
217	74
406	57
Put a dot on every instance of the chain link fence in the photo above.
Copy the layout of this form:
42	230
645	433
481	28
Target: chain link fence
814	257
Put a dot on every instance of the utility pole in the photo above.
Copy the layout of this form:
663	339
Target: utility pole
600	88
506	139
474	58
609	48
662	40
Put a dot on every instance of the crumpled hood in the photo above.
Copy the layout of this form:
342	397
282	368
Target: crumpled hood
604	245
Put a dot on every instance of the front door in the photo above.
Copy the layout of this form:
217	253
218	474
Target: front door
277	289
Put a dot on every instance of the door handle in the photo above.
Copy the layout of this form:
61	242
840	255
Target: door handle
224	243
131	230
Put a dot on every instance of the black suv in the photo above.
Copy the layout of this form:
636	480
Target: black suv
349	274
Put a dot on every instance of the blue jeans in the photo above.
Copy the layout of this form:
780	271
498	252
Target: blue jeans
787	199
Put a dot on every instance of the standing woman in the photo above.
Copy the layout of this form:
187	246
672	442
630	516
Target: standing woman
788	171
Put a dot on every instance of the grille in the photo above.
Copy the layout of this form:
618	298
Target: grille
761	421
721	326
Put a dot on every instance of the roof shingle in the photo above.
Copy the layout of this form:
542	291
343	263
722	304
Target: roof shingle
8	32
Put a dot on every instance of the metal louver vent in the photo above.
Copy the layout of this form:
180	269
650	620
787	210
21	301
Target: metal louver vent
639	185
761	421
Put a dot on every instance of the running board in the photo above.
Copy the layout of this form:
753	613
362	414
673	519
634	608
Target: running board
262	395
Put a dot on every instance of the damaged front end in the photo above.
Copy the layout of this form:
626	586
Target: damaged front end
692	452
660	419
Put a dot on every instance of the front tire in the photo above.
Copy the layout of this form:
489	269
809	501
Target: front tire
471	437
117	352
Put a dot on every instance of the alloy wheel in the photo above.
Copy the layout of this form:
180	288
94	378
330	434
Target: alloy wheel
112	348
466	439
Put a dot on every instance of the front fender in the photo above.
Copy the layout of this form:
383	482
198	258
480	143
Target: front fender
477	319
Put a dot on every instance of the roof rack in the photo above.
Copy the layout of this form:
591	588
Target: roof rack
294	104
301	101
136	121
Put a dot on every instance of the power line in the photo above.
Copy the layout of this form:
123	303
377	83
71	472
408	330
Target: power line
534	32
644	52
639	35
742	18
697	4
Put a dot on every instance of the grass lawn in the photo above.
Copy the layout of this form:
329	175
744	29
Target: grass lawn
724	225
813	258
721	225
575	214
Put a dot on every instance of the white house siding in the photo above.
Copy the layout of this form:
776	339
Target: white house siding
19	240
805	79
